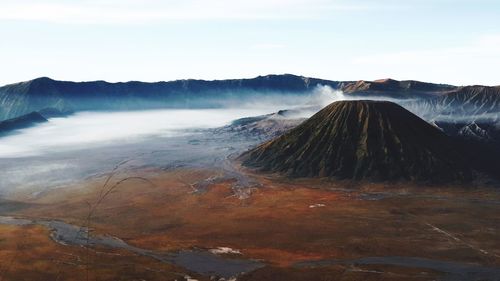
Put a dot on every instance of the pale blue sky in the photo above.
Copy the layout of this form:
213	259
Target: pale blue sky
456	42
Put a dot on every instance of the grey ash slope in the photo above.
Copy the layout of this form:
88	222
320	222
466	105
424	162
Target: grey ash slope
471	103
475	100
264	127
363	140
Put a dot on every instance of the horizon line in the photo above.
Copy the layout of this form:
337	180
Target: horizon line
242	78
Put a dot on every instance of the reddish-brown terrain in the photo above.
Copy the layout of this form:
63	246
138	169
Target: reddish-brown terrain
282	223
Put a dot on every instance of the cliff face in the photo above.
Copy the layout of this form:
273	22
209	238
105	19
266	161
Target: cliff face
472	100
363	140
465	104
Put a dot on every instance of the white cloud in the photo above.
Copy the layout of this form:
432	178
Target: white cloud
267	46
487	46
135	11
459	65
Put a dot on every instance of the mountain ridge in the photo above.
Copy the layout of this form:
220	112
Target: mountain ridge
24	97
66	96
406	88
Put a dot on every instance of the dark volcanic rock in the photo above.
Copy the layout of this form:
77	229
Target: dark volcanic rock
486	132
363	140
480	141
21	122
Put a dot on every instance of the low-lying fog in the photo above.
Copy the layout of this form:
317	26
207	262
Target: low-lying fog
86	144
91	129
95	129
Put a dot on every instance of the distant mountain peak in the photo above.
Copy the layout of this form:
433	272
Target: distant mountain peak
386	81
43	79
391	87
